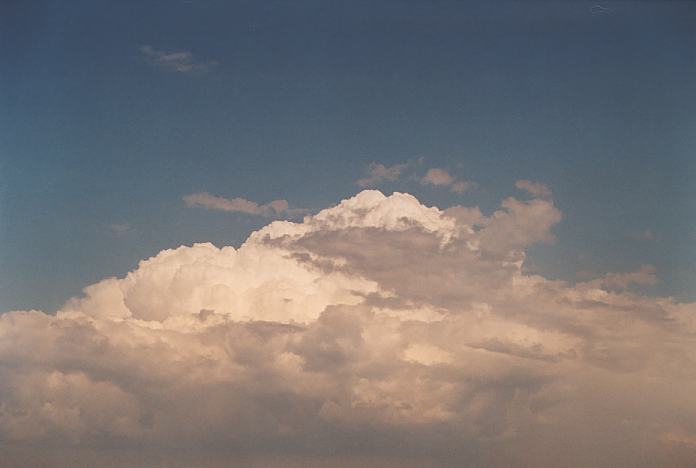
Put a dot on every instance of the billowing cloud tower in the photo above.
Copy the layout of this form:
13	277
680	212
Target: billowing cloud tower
379	332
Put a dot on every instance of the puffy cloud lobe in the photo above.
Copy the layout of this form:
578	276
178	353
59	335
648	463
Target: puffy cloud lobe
438	177
441	178
376	332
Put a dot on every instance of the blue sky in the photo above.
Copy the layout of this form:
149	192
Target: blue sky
293	100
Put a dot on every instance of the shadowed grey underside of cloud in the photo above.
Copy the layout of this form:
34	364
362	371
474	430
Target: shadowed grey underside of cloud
378	332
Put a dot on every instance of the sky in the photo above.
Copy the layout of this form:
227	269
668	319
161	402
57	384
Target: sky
235	162
294	100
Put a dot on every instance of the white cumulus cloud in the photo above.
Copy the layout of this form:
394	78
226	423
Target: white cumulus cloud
378	332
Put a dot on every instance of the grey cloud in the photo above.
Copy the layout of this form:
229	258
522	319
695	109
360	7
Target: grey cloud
378	173
240	205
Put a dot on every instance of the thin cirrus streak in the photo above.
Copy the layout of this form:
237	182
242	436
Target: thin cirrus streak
239	205
379	332
180	61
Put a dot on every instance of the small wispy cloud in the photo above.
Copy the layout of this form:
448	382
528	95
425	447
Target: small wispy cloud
181	61
644	276
119	228
442	178
599	9
646	235
534	188
241	205
378	173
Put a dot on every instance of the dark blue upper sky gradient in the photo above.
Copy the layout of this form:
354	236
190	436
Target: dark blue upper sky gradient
599	103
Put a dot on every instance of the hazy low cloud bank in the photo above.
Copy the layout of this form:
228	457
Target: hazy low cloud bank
379	332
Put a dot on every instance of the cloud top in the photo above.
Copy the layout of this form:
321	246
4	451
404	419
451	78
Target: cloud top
377	332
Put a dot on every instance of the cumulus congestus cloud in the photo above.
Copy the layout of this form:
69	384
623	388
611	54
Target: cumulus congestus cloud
375	332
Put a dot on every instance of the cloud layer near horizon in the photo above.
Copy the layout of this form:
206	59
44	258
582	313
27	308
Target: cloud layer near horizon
379	332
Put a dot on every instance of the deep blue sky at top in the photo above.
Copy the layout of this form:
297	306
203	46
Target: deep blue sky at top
597	103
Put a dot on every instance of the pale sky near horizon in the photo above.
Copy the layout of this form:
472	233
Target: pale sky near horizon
347	234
